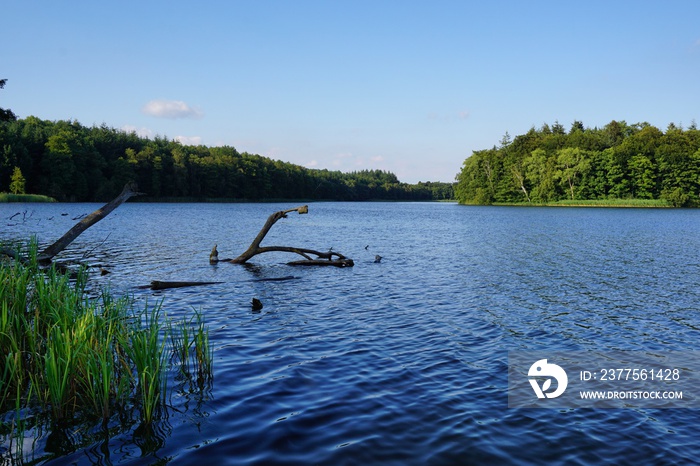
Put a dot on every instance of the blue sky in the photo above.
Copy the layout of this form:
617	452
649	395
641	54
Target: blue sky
412	87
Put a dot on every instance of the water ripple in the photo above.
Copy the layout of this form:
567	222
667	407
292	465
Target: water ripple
404	361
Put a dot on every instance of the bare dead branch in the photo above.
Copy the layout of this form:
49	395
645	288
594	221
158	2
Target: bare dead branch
88	221
322	258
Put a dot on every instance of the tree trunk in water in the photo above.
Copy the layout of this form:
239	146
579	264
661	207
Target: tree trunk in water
160	285
329	258
51	251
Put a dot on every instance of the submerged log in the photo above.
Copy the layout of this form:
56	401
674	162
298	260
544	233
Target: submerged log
330	257
335	263
164	285
159	285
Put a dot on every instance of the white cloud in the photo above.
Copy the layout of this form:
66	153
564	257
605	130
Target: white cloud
189	140
141	132
312	164
173	109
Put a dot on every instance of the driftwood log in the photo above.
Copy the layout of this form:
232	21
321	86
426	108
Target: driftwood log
161	285
329	258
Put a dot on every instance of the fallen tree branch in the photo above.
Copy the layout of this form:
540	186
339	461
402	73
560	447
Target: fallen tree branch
159	285
254	248
162	285
50	252
333	263
331	258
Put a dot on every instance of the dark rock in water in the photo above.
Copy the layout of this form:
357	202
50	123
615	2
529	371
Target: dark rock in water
257	304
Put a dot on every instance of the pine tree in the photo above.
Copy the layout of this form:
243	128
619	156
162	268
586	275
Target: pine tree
17	182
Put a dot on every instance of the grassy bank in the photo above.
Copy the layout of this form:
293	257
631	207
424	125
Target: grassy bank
6	197
65	358
644	203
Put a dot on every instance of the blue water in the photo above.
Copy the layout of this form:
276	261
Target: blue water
402	361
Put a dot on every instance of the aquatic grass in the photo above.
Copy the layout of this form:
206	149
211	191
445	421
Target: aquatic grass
59	365
98	379
180	336
10	376
64	356
204	353
190	340
147	351
103	383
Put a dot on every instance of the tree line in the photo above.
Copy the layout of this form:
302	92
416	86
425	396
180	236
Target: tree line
71	162
618	161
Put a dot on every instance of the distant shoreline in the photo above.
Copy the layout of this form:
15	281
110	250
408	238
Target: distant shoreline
9	198
617	203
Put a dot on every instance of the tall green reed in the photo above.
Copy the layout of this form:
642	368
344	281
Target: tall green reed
66	355
203	351
190	341
147	351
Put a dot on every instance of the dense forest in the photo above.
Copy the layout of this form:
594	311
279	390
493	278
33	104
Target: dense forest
72	162
618	161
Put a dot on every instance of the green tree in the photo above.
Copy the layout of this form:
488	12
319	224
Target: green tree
539	171
57	166
473	186
573	163
6	114
678	159
595	184
17	182
576	126
617	183
642	176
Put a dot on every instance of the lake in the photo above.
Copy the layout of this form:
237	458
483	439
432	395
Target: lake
404	361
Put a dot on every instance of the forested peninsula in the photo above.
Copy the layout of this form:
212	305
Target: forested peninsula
617	162
71	162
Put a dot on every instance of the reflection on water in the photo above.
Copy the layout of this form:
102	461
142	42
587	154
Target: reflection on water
402	361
